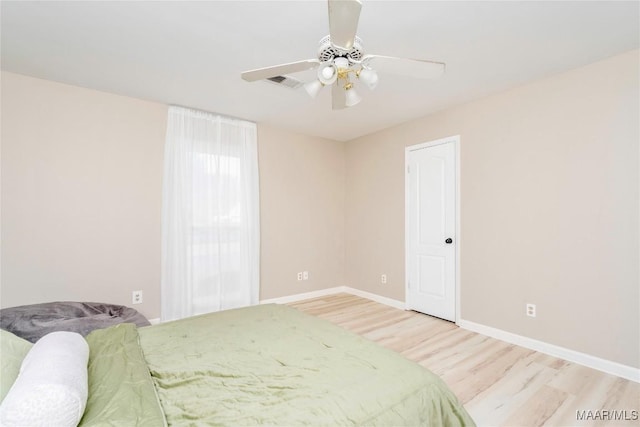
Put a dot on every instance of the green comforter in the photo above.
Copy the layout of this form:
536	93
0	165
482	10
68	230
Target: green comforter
121	392
274	365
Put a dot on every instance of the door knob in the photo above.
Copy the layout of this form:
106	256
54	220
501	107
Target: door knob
449	241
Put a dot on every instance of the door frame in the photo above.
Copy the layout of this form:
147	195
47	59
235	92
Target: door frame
455	139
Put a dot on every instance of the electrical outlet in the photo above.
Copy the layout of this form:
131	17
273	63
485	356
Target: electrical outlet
136	297
531	310
300	276
383	278
305	275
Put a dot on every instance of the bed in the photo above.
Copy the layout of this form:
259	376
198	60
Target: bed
261	365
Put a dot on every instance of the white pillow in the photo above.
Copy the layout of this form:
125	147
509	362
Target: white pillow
52	388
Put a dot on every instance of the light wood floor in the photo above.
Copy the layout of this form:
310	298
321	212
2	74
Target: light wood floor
500	384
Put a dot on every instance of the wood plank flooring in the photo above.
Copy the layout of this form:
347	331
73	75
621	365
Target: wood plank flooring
500	384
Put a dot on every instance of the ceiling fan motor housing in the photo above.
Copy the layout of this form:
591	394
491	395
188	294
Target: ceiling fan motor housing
328	52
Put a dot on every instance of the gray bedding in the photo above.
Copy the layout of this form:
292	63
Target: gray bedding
32	322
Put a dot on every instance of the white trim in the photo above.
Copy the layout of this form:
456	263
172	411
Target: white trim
608	366
337	290
455	139
306	295
406	223
458	229
377	298
155	321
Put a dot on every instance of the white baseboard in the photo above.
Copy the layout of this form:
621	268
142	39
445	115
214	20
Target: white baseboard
305	295
377	298
324	292
613	368
337	290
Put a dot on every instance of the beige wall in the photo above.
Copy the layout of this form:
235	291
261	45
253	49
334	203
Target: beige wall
81	199
549	215
81	194
301	212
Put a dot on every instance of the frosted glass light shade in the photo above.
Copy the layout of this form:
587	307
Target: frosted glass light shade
341	62
369	78
352	97
327	74
313	88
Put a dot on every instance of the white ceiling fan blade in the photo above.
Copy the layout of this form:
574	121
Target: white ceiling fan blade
343	22
416	68
279	70
338	97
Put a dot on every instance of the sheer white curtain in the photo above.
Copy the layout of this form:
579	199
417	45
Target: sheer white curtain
210	214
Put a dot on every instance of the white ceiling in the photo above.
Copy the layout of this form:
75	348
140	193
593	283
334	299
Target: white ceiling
192	53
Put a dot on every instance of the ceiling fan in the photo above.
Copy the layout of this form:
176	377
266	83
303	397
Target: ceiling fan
341	61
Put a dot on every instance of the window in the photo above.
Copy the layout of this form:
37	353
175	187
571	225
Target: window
210	214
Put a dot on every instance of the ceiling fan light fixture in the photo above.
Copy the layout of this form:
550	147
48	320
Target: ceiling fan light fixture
327	73
369	77
340	60
352	97
313	88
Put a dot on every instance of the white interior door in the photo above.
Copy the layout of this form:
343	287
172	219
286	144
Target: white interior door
430	228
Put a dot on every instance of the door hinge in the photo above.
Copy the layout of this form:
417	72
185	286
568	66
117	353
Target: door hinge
408	169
